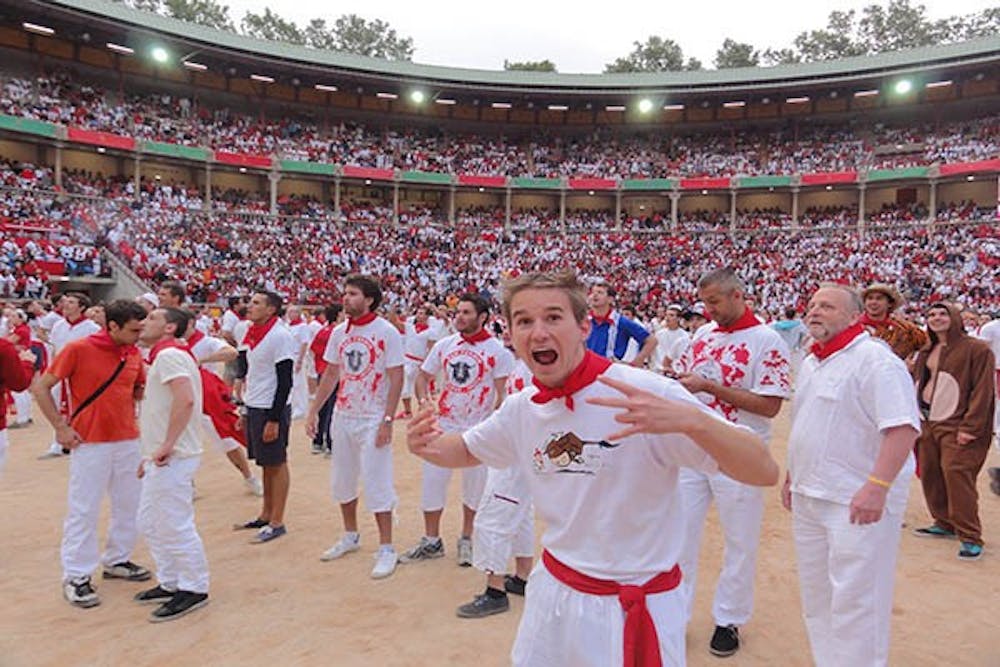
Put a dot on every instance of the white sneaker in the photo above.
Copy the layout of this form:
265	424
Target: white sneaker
254	486
385	563
345	546
81	593
54	451
464	551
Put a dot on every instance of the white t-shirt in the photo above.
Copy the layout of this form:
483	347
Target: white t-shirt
990	332
469	371
519	378
670	343
262	379
63	332
754	359
842	405
240	332
48	320
205	348
154	415
415	343
229	320
364	355
612	510
203	324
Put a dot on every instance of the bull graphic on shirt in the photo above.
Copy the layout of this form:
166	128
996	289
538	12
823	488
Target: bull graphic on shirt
461	371
355	360
566	451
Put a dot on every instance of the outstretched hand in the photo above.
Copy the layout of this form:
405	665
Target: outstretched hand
646	412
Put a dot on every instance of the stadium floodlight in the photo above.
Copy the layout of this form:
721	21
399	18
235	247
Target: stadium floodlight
736	104
558	107
645	105
501	105
38	29
445	101
590	192
418	96
387	96
673	107
615	107
970	177
118	48
198	67
243	170
938	84
866	93
261	78
102	150
903	86
159	54
797	100
325	88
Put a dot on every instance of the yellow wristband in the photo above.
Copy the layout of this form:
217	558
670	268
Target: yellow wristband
881	482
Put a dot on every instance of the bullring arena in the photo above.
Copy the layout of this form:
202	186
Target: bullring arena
245	165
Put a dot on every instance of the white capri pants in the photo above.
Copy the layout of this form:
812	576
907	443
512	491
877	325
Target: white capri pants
505	521
355	455
222	445
561	627
22	403
434	486
410	371
741	510
94	469
846	579
166	518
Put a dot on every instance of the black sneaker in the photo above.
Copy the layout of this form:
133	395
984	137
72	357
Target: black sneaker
725	641
126	570
317	448
157	594
183	602
483	605
514	584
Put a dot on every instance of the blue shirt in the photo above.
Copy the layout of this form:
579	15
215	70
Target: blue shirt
597	341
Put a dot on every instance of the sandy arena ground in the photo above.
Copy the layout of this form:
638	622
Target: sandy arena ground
278	604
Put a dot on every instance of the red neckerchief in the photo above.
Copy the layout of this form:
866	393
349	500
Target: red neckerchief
641	643
866	321
420	327
103	341
73	323
165	344
238	316
477	337
838	342
294	323
195	338
256	332
367	318
583	375
745	321
605	319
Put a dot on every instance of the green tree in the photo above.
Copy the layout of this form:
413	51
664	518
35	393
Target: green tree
897	26
354	34
736	54
271	27
835	41
203	12
655	55
530	66
785	56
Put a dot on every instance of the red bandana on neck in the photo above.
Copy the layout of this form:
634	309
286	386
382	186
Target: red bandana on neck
745	321
195	337
102	339
603	319
167	343
420	327
867	321
583	375
73	323
838	342
294	323
256	332
367	318
477	337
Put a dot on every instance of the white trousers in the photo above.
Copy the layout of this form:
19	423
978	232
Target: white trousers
96	469
300	394
166	519
846	579
222	445
434	486
355	455
741	509
561	627
22	403
410	371
505	521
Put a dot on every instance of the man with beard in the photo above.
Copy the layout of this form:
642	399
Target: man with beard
474	366
365	355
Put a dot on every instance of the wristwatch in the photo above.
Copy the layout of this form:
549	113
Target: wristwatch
387	420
